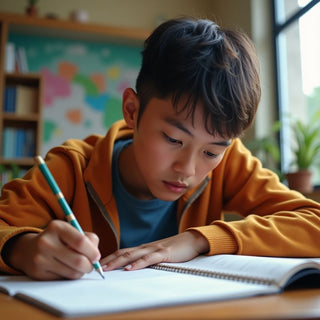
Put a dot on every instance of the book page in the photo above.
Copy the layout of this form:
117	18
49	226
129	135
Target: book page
268	269
127	290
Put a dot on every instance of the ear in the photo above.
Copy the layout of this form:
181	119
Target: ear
130	107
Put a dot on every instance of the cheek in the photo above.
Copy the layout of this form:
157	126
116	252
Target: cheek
159	156
151	153
207	167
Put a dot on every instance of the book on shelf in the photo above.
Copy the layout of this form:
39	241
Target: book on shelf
20	99
203	279
18	143
9	99
8	142
15	58
26	100
10	57
21	60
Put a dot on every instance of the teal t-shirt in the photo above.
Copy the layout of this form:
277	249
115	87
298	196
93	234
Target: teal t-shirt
141	221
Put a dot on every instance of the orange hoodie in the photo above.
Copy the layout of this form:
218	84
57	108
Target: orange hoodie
278	222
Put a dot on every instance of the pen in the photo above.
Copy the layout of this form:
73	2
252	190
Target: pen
63	203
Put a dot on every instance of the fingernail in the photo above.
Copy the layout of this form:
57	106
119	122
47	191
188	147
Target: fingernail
128	267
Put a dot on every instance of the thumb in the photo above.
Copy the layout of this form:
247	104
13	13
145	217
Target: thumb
93	238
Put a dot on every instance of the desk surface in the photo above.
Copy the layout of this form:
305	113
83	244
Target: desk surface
297	304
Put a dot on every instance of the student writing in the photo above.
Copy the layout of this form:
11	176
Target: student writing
154	188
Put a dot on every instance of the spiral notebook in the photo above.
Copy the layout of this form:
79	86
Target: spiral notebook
202	279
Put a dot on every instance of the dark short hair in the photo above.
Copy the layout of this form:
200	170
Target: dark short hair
196	60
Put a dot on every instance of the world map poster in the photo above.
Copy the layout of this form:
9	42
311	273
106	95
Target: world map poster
83	83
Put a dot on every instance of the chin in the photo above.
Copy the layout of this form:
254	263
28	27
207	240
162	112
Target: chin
167	196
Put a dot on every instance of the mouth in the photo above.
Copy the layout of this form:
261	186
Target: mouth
176	187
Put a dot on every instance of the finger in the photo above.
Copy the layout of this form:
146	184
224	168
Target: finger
93	238
69	272
73	261
147	260
52	251
75	240
56	271
44	265
123	257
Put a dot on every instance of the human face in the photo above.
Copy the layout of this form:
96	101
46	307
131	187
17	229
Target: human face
171	153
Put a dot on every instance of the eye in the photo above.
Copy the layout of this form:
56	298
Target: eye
171	140
210	154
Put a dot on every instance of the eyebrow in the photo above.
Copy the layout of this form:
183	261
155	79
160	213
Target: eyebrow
179	125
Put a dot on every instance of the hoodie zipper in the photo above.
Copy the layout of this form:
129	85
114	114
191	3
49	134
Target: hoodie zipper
103	210
193	198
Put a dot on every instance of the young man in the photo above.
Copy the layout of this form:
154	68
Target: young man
155	187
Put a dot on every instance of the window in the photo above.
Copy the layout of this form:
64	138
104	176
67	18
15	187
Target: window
297	52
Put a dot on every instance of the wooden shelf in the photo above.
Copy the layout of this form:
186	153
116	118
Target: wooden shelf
65	28
12	117
25	78
22	162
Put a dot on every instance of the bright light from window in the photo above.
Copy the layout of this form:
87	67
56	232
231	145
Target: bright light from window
309	25
303	3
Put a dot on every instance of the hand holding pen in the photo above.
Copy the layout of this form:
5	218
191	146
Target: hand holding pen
63	203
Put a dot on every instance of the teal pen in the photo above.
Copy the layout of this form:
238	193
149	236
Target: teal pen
63	203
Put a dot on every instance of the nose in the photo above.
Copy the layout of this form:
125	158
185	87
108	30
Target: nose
185	164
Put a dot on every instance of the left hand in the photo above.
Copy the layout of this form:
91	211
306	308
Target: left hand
181	247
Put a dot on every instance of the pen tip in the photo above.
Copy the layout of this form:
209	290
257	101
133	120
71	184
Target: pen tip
100	272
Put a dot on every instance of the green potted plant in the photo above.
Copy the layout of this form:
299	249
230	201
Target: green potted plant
266	148
306	152
32	9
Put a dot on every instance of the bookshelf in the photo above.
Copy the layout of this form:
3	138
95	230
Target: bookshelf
21	129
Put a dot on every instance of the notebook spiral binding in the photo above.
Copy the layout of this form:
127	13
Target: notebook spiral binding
214	274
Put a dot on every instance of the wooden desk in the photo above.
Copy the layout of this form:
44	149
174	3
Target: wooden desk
297	304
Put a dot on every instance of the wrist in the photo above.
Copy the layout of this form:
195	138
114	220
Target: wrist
201	243
12	252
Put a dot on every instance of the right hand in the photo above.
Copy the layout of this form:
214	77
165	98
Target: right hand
59	252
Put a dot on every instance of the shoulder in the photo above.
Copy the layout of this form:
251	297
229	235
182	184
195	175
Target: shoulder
238	146
83	147
75	148
238	152
239	164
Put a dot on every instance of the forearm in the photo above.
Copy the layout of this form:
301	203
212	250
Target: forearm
218	239
283	234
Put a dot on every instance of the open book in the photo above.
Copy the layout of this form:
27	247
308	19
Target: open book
202	279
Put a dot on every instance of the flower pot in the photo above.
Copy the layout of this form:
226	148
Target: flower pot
300	181
32	11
